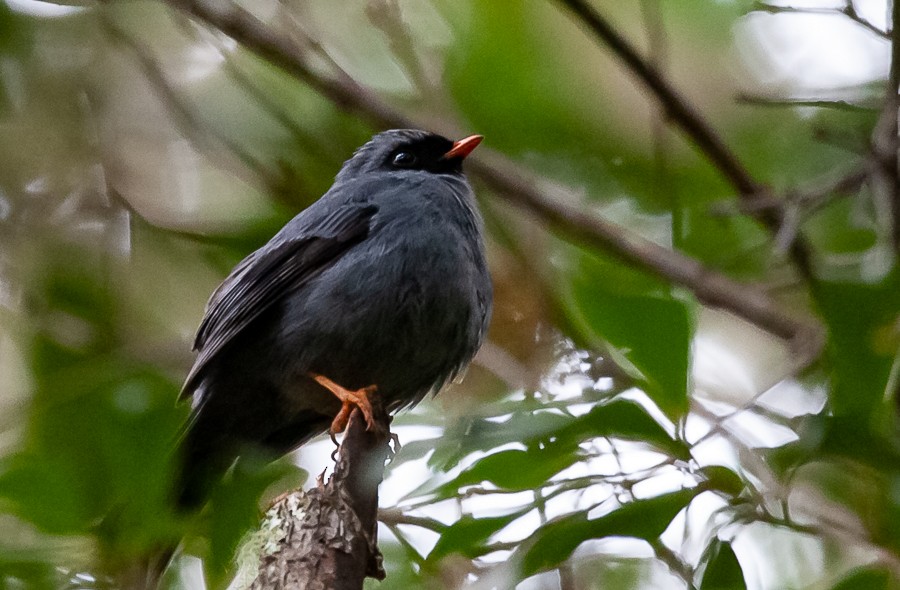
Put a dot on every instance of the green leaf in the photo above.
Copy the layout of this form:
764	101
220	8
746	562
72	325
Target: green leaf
233	511
646	324
27	575
467	535
850	436
865	578
863	341
641	519
626	419
516	469
723	479
479	434
39	490
399	565
723	570
97	456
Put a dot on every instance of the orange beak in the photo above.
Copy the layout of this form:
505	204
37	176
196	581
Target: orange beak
464	147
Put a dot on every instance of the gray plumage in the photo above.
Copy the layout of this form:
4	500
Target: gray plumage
381	281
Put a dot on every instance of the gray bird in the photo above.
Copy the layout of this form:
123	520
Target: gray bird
381	283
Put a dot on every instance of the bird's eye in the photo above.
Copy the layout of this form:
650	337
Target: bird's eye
405	160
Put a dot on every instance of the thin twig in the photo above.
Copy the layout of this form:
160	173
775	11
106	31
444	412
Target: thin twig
890	144
656	33
810	199
778	101
676	565
848	10
183	115
395	516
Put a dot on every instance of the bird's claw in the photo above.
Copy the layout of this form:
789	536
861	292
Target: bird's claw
350	399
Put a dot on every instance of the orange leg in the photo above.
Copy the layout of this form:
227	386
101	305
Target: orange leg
349	399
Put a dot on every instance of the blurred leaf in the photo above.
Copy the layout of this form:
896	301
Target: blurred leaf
734	243
548	111
38	490
865	578
15	36
838	436
233	511
625	419
401	573
650	328
27	575
517	469
552	442
861	319
723	479
848	436
723	570
839	229
469	435
642	519
468	535
98	455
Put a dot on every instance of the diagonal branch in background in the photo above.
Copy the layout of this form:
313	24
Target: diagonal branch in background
183	115
521	188
883	145
887	146
708	286
686	117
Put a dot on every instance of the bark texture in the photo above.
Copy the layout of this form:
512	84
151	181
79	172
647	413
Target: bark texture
327	537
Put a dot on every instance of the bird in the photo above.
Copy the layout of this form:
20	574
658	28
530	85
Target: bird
382	284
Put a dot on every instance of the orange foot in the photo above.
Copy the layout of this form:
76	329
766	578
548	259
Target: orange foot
349	399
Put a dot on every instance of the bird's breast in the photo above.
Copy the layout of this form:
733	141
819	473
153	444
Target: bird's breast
395	311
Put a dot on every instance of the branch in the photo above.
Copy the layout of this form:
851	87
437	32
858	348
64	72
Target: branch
848	10
329	538
691	122
778	101
708	286
682	112
521	188
888	150
183	115
283	52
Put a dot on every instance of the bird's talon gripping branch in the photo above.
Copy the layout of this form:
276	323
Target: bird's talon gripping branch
349	399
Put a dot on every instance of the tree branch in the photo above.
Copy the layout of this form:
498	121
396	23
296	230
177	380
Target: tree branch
888	151
710	287
779	101
522	189
183	114
678	108
848	10
329	539
687	118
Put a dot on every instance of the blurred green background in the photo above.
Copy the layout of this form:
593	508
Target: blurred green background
613	432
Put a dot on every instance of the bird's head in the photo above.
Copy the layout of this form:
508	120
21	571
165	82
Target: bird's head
409	149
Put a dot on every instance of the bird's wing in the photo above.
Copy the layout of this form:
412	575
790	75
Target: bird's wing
267	275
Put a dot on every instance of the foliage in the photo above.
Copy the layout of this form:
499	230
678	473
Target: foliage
617	431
